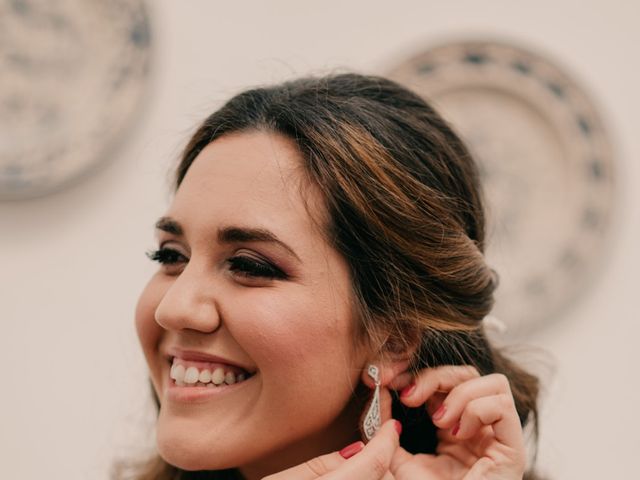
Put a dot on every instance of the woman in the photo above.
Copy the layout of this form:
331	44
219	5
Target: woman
322	230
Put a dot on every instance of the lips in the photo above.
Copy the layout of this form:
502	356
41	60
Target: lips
196	376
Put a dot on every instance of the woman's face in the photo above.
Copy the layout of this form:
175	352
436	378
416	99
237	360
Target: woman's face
249	290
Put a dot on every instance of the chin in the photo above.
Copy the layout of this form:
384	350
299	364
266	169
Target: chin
193	451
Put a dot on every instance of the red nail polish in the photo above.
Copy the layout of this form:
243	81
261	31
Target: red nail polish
350	450
439	413
455	429
408	390
398	426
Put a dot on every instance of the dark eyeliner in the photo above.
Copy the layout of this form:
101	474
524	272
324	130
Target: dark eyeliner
250	267
241	265
164	256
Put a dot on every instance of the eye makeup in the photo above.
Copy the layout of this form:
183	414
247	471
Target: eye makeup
243	265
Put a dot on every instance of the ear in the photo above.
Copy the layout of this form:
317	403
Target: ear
390	366
392	355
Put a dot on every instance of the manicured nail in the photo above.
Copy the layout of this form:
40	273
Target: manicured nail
408	390
350	450
439	413
455	429
398	426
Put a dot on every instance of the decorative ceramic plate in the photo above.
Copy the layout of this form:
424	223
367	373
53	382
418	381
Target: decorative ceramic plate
73	75
546	166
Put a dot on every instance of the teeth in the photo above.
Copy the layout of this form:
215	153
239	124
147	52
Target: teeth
217	376
205	376
177	372
191	376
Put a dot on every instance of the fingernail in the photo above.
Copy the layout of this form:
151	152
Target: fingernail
438	413
350	450
408	390
455	429
398	426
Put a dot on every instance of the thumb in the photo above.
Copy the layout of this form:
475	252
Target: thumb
318	466
372	464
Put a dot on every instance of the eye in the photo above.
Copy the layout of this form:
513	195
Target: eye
166	256
250	267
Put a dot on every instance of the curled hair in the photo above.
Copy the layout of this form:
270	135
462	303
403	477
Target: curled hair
404	209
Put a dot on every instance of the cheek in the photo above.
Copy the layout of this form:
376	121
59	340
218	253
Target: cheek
301	341
294	323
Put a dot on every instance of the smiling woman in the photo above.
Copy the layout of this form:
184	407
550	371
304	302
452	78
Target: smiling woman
249	280
319	228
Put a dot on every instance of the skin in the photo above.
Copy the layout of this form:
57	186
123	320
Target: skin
479	434
296	333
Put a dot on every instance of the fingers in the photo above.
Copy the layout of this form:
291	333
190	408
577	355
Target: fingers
374	461
400	458
458	398
370	462
483	401
316	467
500	413
439	379
401	381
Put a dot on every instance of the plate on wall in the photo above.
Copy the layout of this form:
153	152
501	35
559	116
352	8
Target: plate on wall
74	73
546	165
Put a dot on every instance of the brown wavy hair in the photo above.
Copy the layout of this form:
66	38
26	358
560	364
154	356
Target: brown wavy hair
406	212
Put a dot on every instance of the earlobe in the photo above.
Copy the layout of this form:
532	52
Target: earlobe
392	358
388	369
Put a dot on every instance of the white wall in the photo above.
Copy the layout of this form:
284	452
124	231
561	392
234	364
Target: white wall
74	388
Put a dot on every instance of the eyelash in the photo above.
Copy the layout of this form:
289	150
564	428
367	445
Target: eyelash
241	265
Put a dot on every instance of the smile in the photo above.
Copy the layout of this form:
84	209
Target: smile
205	374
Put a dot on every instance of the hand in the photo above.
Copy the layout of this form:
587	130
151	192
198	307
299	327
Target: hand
479	432
372	462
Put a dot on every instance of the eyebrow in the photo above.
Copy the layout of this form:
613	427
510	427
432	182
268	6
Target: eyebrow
229	234
169	225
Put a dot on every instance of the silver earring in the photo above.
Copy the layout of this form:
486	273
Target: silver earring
373	420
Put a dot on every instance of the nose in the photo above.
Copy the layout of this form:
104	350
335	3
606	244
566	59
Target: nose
189	303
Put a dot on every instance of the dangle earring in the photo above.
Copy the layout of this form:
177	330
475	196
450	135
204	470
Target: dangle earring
373	420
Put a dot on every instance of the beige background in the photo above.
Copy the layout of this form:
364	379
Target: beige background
74	388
